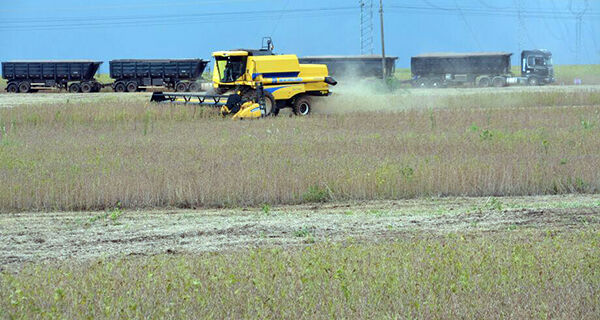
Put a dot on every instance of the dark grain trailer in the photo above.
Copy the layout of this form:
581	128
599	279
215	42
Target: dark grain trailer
31	76
137	74
482	69
354	66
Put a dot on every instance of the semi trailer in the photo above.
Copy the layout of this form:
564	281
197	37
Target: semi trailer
354	66
133	75
481	69
31	76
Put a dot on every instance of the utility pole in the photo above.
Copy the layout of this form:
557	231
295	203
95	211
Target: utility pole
579	20
521	22
366	26
382	40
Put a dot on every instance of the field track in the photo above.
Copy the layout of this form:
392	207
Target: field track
362	94
36	237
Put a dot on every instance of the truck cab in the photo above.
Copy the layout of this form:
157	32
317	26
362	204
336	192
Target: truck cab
537	67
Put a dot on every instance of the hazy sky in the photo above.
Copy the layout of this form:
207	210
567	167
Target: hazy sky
111	29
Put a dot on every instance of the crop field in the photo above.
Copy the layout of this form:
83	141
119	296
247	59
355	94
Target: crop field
455	203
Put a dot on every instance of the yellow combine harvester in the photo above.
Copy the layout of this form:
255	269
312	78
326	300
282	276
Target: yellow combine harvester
257	83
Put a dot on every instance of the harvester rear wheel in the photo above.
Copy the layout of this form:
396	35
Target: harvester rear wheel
74	88
132	86
24	86
12	88
302	106
86	87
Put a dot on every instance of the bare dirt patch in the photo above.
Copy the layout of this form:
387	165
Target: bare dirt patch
35	237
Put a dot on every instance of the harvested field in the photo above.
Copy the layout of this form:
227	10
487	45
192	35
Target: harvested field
82	236
491	258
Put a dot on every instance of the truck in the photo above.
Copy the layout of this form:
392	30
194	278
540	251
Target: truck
354	66
131	75
481	69
31	76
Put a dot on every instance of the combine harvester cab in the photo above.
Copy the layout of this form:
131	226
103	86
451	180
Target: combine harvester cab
256	75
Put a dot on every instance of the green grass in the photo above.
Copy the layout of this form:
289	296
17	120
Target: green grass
514	274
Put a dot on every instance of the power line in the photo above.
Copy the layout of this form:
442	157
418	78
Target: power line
176	19
468	26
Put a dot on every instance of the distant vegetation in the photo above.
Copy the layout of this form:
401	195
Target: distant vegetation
95	155
512	274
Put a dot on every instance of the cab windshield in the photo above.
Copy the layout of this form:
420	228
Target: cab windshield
230	68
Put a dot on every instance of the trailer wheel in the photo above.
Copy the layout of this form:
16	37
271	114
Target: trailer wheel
24	87
498	82
423	83
132	86
86	87
120	87
194	87
181	87
74	88
484	82
12	88
302	106
436	83
533	81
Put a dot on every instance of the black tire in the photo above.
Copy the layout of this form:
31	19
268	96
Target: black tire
498	82
132	86
24	87
181	87
533	81
484	82
270	103
12	88
194	87
120	87
97	87
87	87
302	106
74	88
436	83
423	83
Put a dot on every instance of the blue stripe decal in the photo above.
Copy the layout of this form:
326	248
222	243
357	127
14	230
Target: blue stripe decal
276	75
273	89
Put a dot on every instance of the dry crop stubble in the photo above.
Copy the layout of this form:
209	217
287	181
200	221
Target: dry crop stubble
93	156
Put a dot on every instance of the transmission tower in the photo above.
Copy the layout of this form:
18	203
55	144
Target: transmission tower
578	22
366	26
521	21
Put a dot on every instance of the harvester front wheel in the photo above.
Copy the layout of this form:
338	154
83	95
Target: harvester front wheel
270	104
302	106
